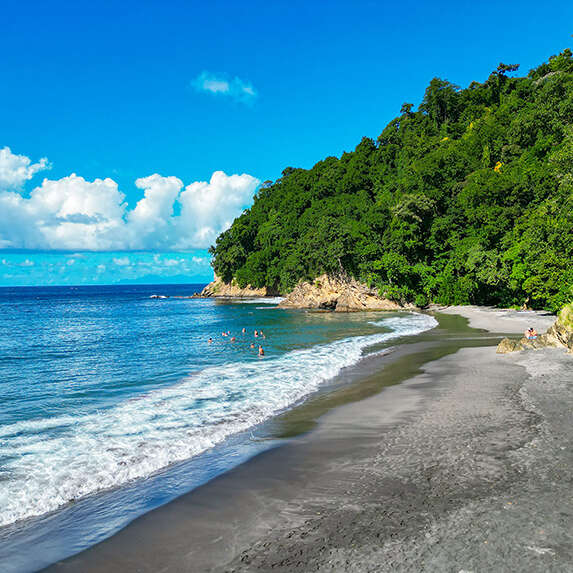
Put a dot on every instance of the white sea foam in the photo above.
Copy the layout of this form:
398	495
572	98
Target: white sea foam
50	462
262	300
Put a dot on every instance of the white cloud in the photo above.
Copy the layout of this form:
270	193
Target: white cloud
15	170
151	222
219	84
209	208
121	261
69	214
173	262
75	214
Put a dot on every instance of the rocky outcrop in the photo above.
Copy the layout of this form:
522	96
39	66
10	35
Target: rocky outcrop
508	345
560	334
218	288
341	294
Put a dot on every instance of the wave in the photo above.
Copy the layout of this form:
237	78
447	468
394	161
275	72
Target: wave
52	461
262	300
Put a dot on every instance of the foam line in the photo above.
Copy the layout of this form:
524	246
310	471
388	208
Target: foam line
50	462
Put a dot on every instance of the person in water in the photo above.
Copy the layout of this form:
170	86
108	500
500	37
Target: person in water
531	333
244	330
261	351
210	340
256	333
233	339
224	334
252	344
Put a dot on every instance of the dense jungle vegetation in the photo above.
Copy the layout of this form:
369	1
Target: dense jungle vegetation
466	200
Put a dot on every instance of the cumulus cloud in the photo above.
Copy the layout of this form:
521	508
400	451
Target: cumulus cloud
15	170
209	207
73	214
68	214
221	85
151	222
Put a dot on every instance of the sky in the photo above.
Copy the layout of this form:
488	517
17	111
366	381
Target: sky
133	133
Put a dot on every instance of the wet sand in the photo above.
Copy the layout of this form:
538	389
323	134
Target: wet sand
464	466
502	319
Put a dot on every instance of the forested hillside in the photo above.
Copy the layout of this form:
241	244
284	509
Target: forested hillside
466	200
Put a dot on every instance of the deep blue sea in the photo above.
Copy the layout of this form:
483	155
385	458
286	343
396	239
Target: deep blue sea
105	392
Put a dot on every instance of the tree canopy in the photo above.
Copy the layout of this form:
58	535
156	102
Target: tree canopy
469	199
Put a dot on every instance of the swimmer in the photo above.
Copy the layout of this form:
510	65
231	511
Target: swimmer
233	339
224	334
252	344
244	330
261	351
256	333
210	341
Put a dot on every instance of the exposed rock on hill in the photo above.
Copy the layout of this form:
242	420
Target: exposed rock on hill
341	294
559	334
218	288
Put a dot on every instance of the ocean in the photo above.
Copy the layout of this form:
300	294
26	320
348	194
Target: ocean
113	402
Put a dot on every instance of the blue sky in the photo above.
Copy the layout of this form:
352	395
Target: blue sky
118	92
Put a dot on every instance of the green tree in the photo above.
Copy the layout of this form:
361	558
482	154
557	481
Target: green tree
467	200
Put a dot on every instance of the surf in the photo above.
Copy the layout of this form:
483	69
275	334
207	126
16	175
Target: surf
50	462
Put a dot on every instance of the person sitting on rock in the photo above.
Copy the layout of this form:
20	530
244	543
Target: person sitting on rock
531	333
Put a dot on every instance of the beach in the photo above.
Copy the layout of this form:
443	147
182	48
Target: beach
463	466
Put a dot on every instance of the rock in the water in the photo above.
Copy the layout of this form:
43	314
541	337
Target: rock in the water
341	294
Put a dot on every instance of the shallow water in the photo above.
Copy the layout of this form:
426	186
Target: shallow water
103	389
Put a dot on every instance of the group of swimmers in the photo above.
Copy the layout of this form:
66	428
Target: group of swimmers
257	333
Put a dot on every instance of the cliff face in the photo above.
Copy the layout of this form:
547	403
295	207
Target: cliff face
341	294
338	294
218	288
560	334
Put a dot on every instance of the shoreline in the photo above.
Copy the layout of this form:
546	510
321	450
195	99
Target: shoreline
79	525
331	497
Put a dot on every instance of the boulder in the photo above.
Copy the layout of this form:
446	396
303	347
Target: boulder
508	345
559	334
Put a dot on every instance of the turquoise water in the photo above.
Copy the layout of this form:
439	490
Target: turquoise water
104	388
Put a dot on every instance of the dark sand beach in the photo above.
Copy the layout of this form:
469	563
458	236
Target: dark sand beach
463	466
